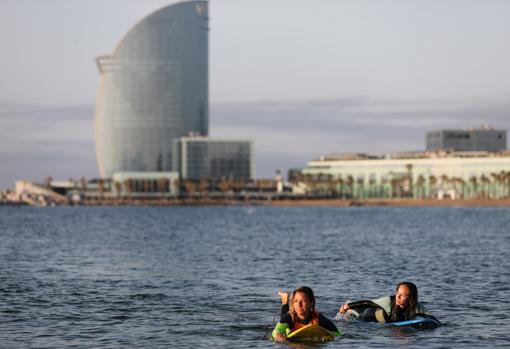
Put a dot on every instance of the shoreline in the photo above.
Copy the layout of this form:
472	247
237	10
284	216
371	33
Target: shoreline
304	202
394	203
276	202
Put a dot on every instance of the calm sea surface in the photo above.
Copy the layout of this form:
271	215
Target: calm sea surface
192	277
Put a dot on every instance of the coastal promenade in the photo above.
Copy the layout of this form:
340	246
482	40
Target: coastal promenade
302	202
397	202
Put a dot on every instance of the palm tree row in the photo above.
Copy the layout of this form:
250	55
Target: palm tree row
490	186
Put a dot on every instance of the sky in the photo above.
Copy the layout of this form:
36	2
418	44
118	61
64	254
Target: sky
301	78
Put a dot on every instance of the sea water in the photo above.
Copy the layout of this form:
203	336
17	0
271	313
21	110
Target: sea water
207	277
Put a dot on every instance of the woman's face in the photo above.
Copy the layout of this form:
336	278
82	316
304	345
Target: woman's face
402	296
302	305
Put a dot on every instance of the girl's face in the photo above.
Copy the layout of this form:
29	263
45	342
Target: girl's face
402	296
302	305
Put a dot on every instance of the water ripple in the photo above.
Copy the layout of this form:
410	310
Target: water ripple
207	277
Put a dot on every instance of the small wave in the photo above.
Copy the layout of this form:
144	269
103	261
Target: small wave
146	296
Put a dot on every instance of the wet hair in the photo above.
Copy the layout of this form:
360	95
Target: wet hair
309	293
409	312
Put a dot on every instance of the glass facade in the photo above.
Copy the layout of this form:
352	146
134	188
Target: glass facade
154	89
467	140
214	158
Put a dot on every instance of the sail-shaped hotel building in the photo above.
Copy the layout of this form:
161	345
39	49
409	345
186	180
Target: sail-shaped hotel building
153	90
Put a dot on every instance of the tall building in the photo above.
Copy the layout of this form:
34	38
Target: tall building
153	90
214	158
478	139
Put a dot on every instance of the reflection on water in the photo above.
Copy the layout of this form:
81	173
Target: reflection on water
208	277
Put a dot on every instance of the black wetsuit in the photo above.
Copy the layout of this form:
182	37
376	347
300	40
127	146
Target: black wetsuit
367	312
323	321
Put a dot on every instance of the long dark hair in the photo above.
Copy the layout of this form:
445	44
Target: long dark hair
306	290
409	312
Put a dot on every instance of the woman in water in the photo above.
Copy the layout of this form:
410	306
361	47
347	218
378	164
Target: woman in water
402	306
300	313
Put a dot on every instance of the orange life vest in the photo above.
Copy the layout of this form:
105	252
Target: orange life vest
314	321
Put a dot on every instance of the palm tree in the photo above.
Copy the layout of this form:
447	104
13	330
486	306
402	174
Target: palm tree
385	191
224	185
432	186
500	180
462	187
128	183
118	188
350	183
177	186
100	187
147	185
474	190
409	168
189	187
163	184
485	183
396	186
360	184
203	185
83	184
444	185
507	178
371	187
340	187
419	186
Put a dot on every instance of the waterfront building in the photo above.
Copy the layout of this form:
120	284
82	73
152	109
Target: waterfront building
153	90
437	174
214	158
477	139
146	184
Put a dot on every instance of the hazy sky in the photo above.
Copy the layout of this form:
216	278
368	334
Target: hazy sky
302	78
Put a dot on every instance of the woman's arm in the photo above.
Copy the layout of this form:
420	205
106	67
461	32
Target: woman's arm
284	310
328	325
280	332
282	328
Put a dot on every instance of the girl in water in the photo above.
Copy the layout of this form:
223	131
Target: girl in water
301	312
402	306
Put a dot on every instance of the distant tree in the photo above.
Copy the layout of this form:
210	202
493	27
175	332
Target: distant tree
128	183
360	185
203	186
485	185
163	184
118	188
146	185
83	184
474	187
224	185
177	186
419	186
498	180
189	187
339	183
432	186
372	187
506	175
100	187
445	183
350	185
